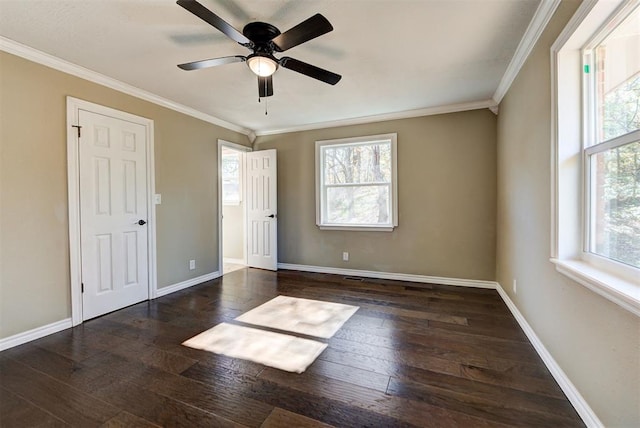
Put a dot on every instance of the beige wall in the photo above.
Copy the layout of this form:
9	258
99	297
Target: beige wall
446	189
34	244
595	342
233	231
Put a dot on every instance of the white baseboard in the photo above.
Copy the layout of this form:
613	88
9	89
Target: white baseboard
579	403
389	275
36	333
45	330
188	283
234	261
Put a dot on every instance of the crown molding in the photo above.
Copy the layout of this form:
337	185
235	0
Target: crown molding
31	54
429	111
537	25
252	136
541	18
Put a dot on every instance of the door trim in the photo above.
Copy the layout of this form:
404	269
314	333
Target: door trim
74	105
240	148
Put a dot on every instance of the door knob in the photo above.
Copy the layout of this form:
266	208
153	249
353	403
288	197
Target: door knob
142	222
271	216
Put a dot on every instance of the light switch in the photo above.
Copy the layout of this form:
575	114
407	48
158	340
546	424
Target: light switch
157	198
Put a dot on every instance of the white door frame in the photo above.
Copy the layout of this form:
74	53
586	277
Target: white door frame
240	148
74	105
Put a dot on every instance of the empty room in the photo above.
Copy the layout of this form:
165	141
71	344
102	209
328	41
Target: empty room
287	213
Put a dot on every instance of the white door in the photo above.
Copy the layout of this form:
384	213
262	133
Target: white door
113	213
262	210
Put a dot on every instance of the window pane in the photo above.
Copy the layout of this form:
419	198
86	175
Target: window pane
618	80
231	177
358	205
370	163
616	203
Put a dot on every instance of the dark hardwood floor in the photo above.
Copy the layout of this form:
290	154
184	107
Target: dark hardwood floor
413	355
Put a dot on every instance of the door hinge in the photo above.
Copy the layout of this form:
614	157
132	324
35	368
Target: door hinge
82	287
78	127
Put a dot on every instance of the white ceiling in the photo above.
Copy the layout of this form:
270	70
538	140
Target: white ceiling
394	55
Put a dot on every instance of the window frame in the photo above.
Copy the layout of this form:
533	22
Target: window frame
573	141
321	203
591	144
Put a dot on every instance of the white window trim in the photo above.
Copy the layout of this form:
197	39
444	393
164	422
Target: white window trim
614	281
393	188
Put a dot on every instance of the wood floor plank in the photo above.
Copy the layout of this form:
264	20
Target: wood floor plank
356	376
434	303
408	411
75	344
17	412
127	420
414	355
323	407
152	356
369	306
471	328
418	355
280	418
159	409
486	409
223	395
97	371
515	380
484	395
405	340
215	362
64	402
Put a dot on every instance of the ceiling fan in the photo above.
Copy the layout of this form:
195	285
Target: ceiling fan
264	39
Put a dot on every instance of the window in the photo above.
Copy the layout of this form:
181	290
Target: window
595	66
230	170
612	142
356	185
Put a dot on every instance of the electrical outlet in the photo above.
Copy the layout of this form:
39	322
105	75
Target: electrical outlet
157	198
192	264
515	287
345	256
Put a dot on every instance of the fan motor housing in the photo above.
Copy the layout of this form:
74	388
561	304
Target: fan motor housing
261	34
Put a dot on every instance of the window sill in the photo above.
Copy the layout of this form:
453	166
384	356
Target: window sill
620	291
358	228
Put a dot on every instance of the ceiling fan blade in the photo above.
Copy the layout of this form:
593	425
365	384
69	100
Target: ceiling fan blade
310	70
265	86
211	18
313	27
206	63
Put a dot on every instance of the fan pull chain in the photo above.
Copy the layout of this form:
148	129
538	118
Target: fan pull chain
266	102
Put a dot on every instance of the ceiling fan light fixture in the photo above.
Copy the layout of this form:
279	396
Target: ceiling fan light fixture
262	66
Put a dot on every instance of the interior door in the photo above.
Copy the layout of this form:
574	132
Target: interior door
113	213
262	209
